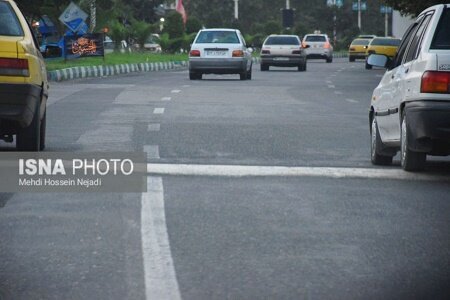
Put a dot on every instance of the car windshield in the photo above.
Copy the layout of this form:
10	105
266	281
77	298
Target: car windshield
217	37
9	24
316	38
360	42
441	39
282	40
385	42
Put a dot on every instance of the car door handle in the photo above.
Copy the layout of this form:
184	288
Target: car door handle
393	76
406	71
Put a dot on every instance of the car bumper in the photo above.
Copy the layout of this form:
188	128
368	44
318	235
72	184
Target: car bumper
361	55
218	66
18	102
274	60
320	53
429	126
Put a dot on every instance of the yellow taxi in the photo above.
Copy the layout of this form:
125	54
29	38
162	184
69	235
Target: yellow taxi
382	45
357	49
23	82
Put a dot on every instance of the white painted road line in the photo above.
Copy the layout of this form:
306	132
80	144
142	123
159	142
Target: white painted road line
159	110
154	127
152	151
351	100
186	86
330	86
338	92
275	171
166	98
329	82
175	91
159	272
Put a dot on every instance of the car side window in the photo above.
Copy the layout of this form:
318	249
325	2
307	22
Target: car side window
404	44
416	42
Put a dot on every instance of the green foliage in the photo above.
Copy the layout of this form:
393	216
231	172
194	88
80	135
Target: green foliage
140	30
412	7
272	27
173	25
193	25
117	31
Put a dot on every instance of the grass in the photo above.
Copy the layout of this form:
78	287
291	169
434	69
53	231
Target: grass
113	59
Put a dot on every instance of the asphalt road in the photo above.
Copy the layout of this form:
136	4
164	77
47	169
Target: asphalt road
226	220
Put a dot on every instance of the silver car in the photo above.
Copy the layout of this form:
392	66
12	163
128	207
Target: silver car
220	51
318	46
283	51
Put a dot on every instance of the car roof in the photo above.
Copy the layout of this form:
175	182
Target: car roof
217	29
317	34
362	39
434	7
385	38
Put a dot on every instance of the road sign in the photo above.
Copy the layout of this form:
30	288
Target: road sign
385	9
363	5
338	3
73	17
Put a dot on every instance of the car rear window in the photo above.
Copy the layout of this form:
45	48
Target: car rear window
441	39
385	42
217	37
316	38
9	24
361	42
282	40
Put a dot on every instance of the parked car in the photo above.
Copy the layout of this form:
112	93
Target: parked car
283	51
357	49
382	45
410	108
318	46
220	51
23	82
152	44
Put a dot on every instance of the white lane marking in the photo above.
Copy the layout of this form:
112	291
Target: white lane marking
166	98
186	86
351	100
261	171
329	82
331	86
154	127
152	151
338	92
175	91
159	110
159	272
378	75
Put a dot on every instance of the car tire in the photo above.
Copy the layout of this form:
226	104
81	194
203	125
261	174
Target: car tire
377	148
410	160
368	67
329	59
302	67
249	73
28	138
351	59
42	132
264	67
195	76
243	75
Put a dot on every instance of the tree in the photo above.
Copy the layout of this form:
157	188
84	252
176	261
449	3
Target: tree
193	25
141	30
412	7
173	25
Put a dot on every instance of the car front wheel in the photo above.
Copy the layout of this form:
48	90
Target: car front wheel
264	67
410	160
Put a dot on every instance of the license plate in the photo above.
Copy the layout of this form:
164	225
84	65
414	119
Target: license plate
281	58
216	53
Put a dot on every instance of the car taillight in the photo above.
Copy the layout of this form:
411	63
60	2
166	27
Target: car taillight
14	67
435	82
304	45
238	53
264	51
327	45
194	53
297	52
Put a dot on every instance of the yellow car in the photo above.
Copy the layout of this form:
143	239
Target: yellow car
23	82
357	49
387	46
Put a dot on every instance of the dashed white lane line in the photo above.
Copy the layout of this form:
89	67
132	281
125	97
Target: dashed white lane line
186	86
166	98
331	86
338	92
159	272
159	110
152	151
276	171
378	75
154	127
329	82
351	100
175	91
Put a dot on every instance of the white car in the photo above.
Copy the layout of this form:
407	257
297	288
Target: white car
283	51
318	46
220	51
410	108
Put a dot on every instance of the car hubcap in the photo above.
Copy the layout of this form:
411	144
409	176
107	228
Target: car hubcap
374	137
404	144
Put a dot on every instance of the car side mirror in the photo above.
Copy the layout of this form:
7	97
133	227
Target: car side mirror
250	49
379	60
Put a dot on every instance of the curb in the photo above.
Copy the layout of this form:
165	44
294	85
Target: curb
103	71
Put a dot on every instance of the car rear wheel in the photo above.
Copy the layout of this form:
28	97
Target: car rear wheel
376	150
329	59
351	59
368	67
249	73
302	67
264	67
410	160
195	76
28	138
244	75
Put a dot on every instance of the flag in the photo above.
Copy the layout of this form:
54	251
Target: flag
180	9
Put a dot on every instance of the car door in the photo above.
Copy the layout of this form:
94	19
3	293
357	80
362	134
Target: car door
385	111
